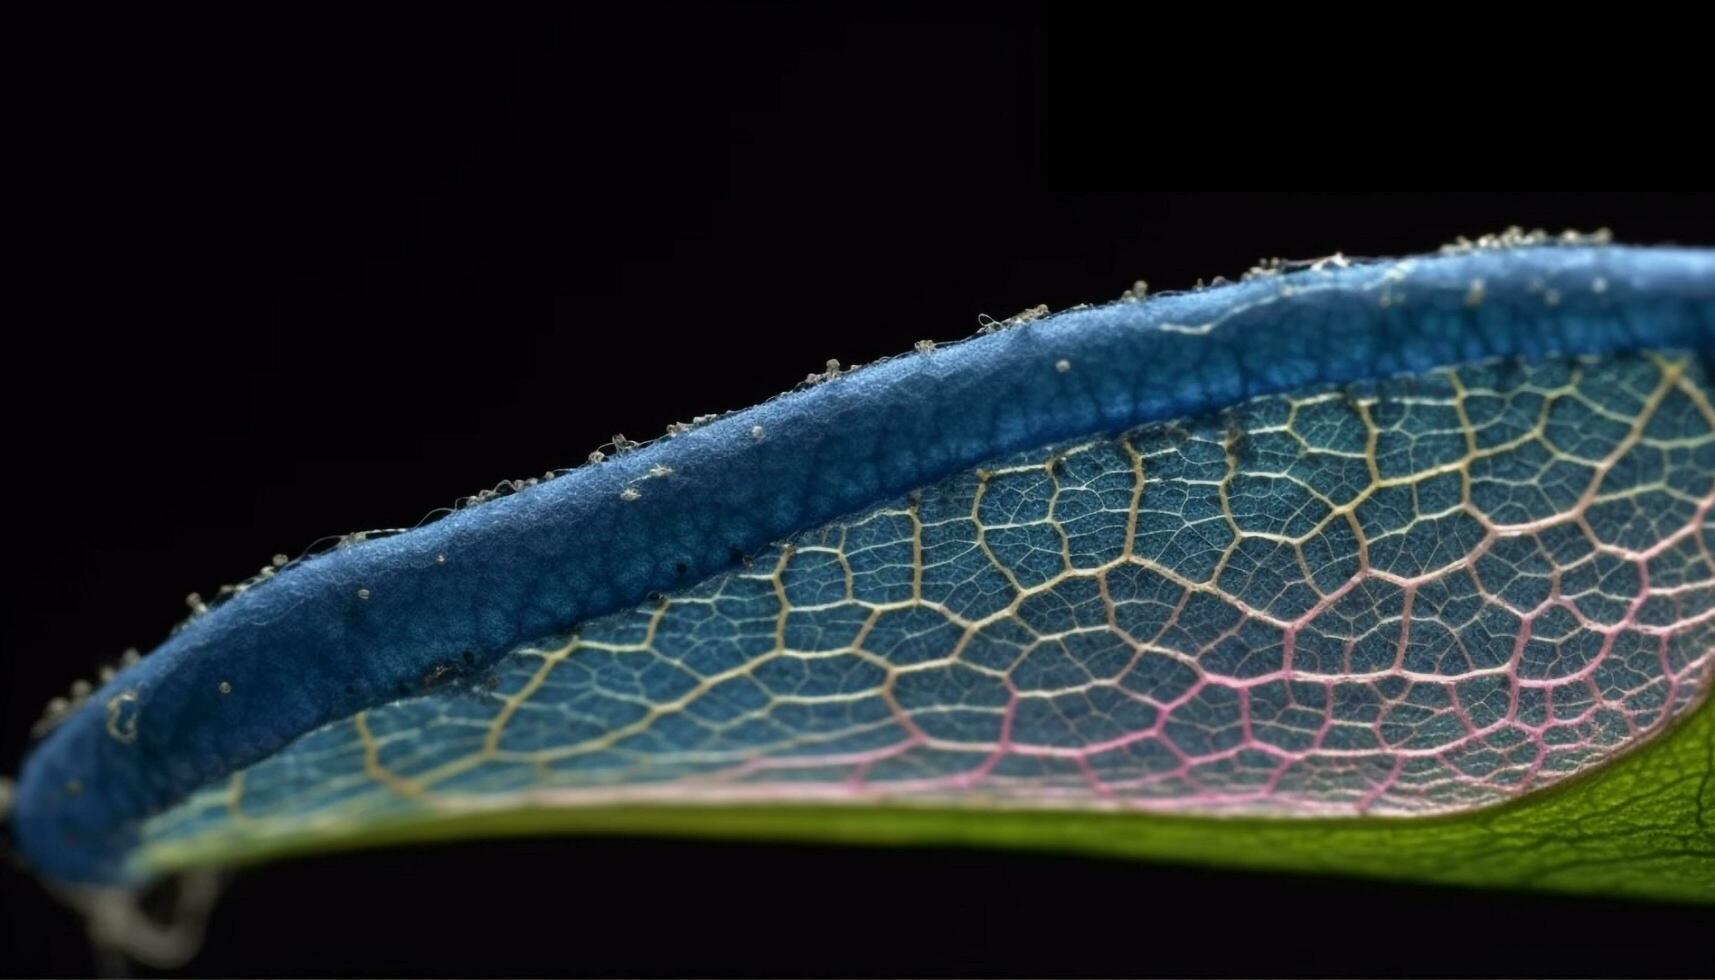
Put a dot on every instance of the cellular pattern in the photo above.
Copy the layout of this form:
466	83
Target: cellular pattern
1412	596
384	614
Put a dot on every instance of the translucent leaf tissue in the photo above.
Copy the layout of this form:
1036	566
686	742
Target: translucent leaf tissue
1397	568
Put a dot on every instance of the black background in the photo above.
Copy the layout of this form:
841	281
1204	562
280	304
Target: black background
293	277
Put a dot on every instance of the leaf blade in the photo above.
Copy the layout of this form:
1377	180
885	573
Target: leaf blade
141	744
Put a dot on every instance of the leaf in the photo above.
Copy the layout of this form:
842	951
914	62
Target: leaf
1347	595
